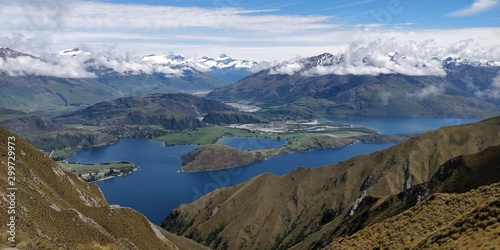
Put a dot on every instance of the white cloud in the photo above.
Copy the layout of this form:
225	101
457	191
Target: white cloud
263	65
477	7
194	32
58	67
410	58
125	66
76	66
384	97
428	91
392	56
493	91
288	67
85	15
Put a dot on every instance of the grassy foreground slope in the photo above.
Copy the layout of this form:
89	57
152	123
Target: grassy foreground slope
436	216
443	221
56	210
278	212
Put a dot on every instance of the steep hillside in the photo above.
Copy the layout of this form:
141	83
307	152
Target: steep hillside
54	209
461	92
172	111
442	221
458	175
278	212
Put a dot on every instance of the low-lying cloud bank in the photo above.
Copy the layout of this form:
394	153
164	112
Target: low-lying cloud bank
386	57
373	58
78	64
54	66
429	91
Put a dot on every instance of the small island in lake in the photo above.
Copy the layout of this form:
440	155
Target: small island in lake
213	156
99	172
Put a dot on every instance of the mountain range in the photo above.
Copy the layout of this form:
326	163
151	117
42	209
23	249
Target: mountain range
76	78
341	85
223	67
174	111
388	85
309	208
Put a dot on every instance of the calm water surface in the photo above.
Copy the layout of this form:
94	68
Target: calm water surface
403	125
158	187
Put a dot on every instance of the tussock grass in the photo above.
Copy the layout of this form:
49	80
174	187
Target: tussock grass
56	210
443	221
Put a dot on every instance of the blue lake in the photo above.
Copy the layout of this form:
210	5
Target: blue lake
403	125
158	187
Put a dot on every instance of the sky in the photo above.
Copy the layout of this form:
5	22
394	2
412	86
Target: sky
250	29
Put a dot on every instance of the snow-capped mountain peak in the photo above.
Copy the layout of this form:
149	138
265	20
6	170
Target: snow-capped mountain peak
221	62
73	52
8	53
373	64
167	59
458	61
222	57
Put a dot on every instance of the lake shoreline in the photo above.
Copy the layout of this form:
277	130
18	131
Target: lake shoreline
160	187
115	176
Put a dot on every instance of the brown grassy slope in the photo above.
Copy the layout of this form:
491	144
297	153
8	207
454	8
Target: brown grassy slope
458	175
214	156
56	210
278	212
468	220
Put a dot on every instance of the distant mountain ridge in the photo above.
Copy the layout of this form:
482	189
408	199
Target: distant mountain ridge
171	111
76	78
223	61
389	85
8	53
223	67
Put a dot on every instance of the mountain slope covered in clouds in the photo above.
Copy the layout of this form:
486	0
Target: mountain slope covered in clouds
76	78
297	209
225	68
388	85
